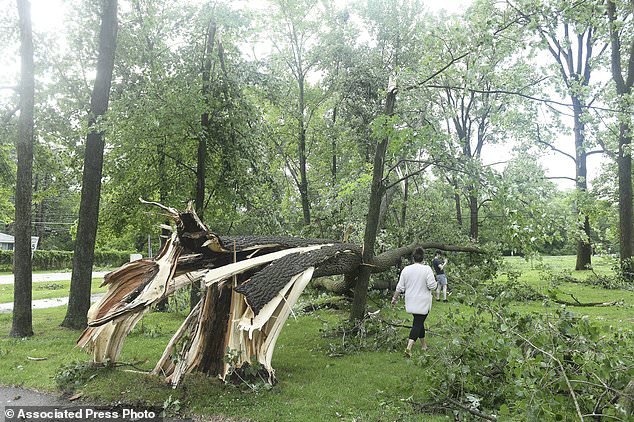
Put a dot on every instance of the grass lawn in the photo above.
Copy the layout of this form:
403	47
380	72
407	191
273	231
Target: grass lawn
47	290
367	386
533	273
370	386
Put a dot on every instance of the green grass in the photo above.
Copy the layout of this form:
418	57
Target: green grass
533	273
47	290
368	386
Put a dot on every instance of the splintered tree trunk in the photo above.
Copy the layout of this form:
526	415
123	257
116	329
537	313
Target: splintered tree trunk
251	284
84	253
22	325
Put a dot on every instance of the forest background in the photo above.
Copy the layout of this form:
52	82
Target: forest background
294	102
382	123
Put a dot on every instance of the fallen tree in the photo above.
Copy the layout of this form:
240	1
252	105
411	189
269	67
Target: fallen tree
250	285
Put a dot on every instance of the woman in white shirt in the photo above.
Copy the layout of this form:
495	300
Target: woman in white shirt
417	281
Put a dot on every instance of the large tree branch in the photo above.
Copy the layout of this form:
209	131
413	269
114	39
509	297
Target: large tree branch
393	257
561	177
552	147
530	97
438	72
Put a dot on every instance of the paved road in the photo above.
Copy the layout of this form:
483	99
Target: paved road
12	396
39	278
6	308
19	397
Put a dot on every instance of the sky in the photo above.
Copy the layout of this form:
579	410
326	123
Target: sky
48	16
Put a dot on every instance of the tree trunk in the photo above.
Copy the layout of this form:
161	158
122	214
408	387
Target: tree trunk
584	248
403	222
624	156
22	325
83	257
205	123
333	168
372	222
456	197
165	233
205	135
303	183
624	159
473	215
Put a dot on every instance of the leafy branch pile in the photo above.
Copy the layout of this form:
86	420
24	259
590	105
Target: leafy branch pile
498	364
614	280
378	330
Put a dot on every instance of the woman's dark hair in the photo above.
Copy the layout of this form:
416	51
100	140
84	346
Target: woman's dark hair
418	255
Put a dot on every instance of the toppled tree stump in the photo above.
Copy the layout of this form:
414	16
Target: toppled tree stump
251	284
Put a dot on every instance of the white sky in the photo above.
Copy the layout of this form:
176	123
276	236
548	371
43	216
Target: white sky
49	15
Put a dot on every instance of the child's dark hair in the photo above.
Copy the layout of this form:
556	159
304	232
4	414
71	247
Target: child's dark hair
418	255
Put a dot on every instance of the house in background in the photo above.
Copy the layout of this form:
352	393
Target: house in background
7	241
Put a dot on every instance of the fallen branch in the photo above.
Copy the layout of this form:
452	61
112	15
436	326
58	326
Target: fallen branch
474	412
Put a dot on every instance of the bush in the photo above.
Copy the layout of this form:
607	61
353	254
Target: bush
6	260
52	260
45	260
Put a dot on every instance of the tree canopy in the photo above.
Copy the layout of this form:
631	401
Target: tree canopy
271	115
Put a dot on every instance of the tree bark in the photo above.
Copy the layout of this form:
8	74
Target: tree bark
473	215
359	302
83	257
333	168
301	150
165	233
205	135
22	325
584	248
456	197
624	85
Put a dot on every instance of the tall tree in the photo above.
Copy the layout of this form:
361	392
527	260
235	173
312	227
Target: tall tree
22	316
377	189
293	45
399	30
83	257
623	82
569	32
205	135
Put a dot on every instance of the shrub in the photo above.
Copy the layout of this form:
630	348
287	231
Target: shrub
45	260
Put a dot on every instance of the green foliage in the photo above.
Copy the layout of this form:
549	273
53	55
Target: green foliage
75	374
496	360
251	375
612	281
379	330
171	406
